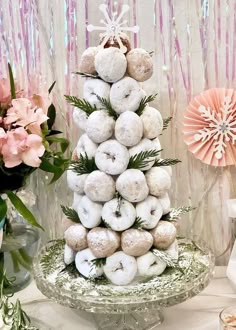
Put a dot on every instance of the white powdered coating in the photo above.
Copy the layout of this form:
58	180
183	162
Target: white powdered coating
99	187
85	266
94	87
150	265
76	237
129	129
86	146
89	212
112	157
158	180
157	144
66	223
152	122
80	118
75	181
119	214
103	242
100	126
120	268
150	211
165	203
132	185
76	199
69	255
113	69
163	234
173	250
136	242
139	64
168	169
144	145
86	64
126	95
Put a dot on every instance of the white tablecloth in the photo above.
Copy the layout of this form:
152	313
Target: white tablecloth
198	313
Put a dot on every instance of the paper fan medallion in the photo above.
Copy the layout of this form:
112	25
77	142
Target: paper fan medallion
210	127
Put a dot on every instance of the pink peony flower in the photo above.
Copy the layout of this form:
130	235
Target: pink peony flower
22	147
41	101
3	137
5	90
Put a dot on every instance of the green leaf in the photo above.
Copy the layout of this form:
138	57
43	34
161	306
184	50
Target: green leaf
143	158
166	122
108	107
54	132
81	104
51	87
70	214
12	83
145	100
139	223
57	175
47	166
3	209
166	162
86	75
23	210
64	143
51	116
84	165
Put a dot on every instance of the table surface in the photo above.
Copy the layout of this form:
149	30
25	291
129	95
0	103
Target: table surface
198	313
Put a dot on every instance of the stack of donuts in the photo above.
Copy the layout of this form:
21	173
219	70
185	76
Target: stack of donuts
110	199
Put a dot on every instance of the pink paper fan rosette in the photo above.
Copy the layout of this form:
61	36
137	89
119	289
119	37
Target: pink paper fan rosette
210	127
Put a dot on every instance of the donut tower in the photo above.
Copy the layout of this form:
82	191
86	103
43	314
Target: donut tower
120	188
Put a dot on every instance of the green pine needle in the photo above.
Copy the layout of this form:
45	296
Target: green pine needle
175	213
84	165
98	262
143	158
108	107
145	100
163	255
166	162
70	213
166	122
86	75
105	224
81	104
138	224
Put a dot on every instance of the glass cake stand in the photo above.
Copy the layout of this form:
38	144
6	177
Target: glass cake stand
133	307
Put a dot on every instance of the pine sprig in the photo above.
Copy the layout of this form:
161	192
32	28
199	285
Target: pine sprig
98	262
70	213
166	122
145	100
138	224
143	158
108	107
81	104
84	165
86	75
166	162
175	213
164	256
105	224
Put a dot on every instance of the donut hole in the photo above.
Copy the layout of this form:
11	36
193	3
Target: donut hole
119	267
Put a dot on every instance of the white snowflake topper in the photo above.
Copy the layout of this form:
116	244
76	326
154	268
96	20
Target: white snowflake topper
113	27
222	126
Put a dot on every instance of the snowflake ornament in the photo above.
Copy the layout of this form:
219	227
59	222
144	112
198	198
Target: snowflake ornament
210	127
113	27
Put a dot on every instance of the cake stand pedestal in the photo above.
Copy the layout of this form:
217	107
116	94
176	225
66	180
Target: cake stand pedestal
133	307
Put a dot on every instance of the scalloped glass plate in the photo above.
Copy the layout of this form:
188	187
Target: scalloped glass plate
137	305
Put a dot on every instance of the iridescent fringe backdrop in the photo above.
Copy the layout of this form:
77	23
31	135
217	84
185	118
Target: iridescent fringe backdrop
194	44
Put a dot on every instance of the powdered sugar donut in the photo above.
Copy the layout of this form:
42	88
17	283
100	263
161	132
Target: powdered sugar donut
76	237
163	234
103	242
100	126
66	223
86	146
85	266
139	64
87	60
94	87
126	95
158	181
120	268
157	144
136	242
165	203
112	157
144	145
129	129
119	214
89	212
150	211
76	199
114	69
80	118
69	255
132	185
168	169
152	122
173	250
150	265
112	42
99	187
76	182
